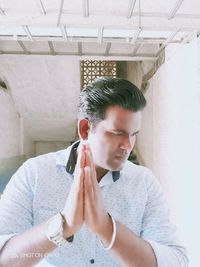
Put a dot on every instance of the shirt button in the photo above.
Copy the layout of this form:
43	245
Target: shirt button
92	261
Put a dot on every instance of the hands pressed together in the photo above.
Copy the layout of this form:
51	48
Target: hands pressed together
84	204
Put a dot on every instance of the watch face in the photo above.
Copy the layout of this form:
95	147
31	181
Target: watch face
55	225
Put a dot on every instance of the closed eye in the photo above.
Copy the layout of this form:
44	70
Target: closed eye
135	134
118	133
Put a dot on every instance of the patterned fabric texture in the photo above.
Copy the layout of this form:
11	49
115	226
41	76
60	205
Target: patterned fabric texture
38	190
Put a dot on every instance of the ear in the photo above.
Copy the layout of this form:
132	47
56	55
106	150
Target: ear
83	128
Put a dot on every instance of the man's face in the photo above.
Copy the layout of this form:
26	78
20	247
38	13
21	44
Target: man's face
113	138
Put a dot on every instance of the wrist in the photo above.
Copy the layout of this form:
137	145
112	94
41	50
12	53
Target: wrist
54	230
110	245
67	231
105	234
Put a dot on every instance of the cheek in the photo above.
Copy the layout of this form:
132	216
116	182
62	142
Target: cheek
101	146
96	143
113	140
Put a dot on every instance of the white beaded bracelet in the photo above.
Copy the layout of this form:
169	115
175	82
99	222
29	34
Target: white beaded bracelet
113	235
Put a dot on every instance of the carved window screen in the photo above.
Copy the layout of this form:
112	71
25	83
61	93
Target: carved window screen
92	69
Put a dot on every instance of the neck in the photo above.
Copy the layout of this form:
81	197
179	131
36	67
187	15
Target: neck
100	172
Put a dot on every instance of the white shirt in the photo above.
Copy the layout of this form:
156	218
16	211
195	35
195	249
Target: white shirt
38	190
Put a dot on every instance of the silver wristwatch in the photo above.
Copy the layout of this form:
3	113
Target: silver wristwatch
54	231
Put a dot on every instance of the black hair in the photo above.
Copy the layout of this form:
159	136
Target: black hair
104	92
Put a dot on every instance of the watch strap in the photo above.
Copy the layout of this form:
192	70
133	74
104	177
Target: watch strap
59	239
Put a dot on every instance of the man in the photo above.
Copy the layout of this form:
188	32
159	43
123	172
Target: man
87	204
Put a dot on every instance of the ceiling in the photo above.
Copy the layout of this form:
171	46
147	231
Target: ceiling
122	29
42	41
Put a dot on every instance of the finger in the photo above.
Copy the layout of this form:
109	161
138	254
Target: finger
90	157
80	188
78	184
89	201
74	204
81	156
90	162
80	164
88	186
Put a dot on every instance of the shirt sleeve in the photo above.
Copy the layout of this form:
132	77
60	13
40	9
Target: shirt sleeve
159	231
16	214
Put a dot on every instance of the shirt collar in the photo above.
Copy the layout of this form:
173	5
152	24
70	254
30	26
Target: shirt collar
71	154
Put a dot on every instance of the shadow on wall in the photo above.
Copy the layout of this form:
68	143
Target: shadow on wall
8	167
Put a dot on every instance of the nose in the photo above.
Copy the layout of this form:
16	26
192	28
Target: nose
127	143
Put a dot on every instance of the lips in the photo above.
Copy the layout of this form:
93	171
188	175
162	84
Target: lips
120	157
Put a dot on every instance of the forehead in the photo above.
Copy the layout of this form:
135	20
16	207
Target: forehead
120	118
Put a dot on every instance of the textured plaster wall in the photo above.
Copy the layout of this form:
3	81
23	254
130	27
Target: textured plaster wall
45	90
42	147
134	73
26	144
169	142
9	138
9	127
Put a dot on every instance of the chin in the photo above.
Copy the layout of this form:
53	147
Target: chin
117	167
113	165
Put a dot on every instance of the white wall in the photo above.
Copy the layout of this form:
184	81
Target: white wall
134	73
42	147
45	90
169	142
9	127
26	144
9	138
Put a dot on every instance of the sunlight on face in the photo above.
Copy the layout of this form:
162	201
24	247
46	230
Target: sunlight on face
113	138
